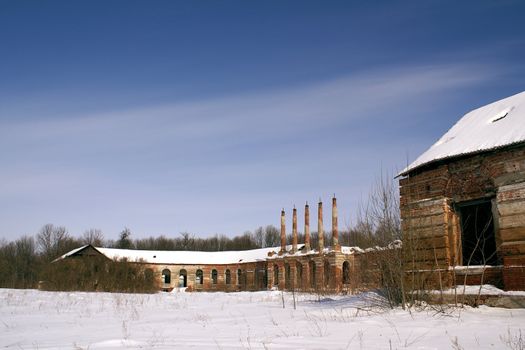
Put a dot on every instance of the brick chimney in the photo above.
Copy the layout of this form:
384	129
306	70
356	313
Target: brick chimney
320	226
307	227
294	230
283	233
335	232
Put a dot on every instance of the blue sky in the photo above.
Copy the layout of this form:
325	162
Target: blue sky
211	116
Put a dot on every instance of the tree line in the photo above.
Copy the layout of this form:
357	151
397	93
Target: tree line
23	262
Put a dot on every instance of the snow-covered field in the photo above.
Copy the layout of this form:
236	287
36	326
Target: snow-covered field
31	319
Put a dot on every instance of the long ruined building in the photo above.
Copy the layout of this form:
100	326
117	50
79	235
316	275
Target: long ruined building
292	267
463	222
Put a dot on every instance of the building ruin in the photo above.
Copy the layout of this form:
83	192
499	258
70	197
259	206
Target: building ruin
462	208
463	201
297	266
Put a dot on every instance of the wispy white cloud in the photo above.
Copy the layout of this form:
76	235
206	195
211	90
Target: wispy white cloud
269	112
242	152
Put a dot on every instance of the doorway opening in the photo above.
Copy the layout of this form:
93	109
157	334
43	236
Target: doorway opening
478	237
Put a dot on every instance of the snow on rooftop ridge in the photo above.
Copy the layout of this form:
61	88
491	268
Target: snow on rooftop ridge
70	253
495	125
188	257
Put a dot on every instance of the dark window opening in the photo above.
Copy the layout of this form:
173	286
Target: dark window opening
287	276
276	275
264	282
166	276
346	272
214	276
312	267
228	277
239	277
478	239
326	273
298	275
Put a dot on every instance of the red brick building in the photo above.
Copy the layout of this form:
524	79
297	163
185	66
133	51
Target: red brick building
463	201
291	267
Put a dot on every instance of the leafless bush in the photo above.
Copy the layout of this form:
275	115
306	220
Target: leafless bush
378	226
96	273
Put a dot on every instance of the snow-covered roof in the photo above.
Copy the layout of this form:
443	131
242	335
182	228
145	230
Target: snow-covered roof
212	258
72	252
182	257
499	124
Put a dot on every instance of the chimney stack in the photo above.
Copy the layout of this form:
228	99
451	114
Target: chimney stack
294	231
283	233
307	227
335	232
320	226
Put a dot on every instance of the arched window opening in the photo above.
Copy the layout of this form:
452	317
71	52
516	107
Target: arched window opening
312	269
287	276
199	277
183	278
239	277
275	275
326	274
166	276
262	278
228	277
214	276
298	275
346	272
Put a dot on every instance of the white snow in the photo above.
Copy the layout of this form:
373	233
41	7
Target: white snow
189	257
182	257
486	289
31	319
210	258
495	125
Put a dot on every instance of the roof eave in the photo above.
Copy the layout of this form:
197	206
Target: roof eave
409	170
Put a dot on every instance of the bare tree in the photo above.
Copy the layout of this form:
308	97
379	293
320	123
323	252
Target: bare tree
93	237
187	241
271	236
258	237
124	241
53	241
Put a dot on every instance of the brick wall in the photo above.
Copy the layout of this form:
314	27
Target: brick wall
432	235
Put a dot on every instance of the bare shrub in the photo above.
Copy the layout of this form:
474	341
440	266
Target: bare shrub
378	228
513	340
97	273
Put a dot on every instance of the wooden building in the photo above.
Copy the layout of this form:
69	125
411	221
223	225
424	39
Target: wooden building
463	202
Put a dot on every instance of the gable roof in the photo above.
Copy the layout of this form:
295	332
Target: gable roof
74	252
496	125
